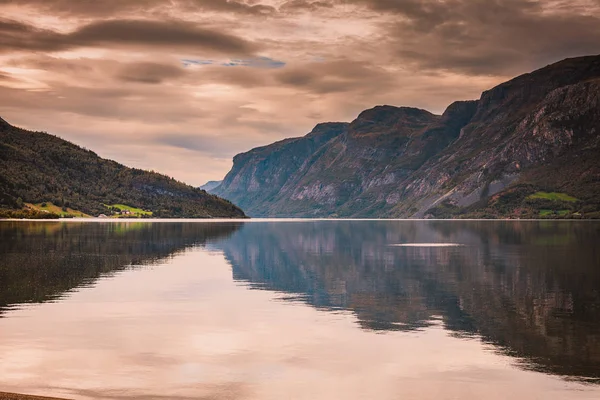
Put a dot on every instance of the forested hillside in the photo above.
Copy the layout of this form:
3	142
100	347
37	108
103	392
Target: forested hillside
37	167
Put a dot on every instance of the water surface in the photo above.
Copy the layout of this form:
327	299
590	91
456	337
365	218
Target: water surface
301	309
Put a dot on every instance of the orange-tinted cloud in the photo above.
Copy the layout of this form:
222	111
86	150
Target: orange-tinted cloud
180	86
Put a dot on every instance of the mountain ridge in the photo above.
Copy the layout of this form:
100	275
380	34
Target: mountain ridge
480	158
37	167
210	185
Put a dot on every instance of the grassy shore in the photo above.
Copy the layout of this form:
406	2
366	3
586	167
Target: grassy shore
14	396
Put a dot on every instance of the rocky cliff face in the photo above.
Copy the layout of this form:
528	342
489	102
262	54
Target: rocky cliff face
210	185
259	175
537	132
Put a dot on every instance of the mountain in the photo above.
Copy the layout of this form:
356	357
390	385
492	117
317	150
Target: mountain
529	147
37	168
261	176
210	185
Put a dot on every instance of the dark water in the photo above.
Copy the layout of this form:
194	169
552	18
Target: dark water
301	309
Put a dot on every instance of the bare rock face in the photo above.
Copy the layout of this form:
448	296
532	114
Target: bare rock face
406	162
210	186
260	174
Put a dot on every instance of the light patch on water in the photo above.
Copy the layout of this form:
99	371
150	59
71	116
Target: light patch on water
426	245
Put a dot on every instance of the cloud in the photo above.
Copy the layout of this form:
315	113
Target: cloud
159	33
187	62
235	77
488	37
136	7
229	6
304	5
255	62
172	34
15	36
172	84
215	146
148	72
341	75
6	77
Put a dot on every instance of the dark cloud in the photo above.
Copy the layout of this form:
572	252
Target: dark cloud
88	7
147	72
158	33
229	6
335	76
6	77
103	8
15	36
305	5
220	147
498	37
430	13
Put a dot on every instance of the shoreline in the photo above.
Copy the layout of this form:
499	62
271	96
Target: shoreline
283	219
17	396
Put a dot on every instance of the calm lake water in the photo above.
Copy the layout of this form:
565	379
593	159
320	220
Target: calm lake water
301	309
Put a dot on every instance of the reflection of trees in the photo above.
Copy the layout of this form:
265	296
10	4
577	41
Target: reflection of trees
531	288
42	260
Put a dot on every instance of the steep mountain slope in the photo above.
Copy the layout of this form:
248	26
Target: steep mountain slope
210	185
37	167
258	176
543	121
539	132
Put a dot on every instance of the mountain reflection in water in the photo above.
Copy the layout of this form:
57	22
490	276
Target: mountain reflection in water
530	288
43	260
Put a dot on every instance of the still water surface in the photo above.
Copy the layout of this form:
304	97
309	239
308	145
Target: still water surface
301	309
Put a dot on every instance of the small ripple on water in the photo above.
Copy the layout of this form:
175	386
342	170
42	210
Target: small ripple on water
426	245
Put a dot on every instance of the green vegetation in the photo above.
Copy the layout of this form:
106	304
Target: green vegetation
64	212
553	196
38	168
521	201
554	213
26	214
444	210
125	210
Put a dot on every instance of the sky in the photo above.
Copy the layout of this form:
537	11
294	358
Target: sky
181	86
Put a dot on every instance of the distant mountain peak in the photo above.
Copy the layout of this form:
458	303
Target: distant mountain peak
328	127
210	185
510	153
390	121
383	111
